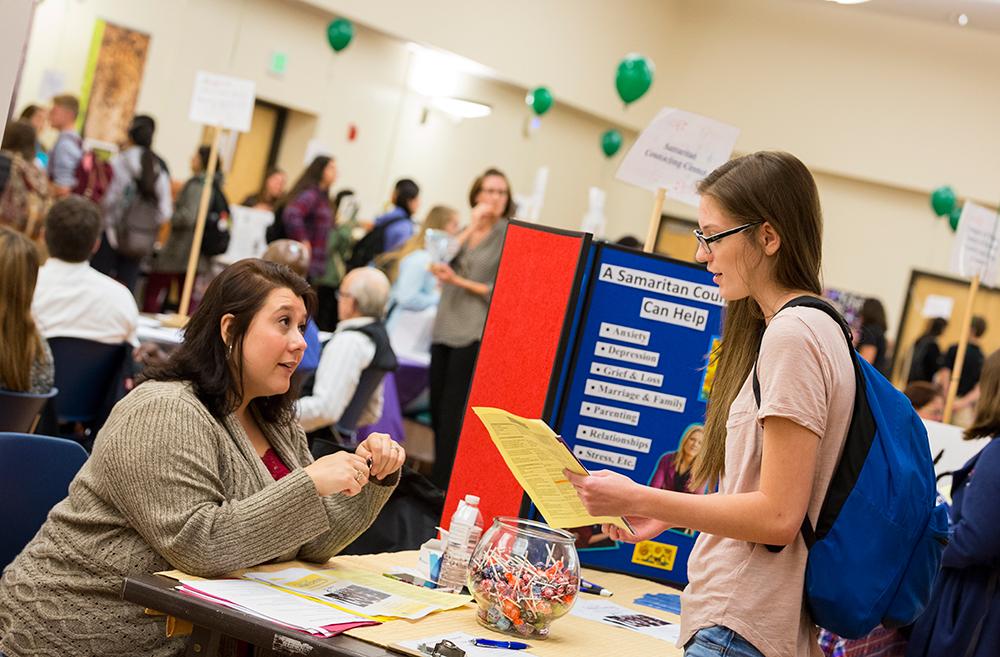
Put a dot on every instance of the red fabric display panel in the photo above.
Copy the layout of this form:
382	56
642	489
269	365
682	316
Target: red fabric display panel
534	287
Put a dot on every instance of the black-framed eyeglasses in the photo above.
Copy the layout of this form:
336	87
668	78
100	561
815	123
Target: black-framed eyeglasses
705	241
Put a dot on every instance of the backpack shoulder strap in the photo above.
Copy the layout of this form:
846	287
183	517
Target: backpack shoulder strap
808	533
807	302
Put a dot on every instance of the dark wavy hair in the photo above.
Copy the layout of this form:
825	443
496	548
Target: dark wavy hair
203	358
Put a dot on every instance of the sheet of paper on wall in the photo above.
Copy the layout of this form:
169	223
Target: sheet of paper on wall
976	249
610	613
537	457
675	151
937	306
362	592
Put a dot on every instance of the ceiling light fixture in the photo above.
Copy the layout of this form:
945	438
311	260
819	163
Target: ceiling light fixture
848	2
460	108
963	20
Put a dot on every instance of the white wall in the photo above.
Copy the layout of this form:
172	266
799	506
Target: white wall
14	18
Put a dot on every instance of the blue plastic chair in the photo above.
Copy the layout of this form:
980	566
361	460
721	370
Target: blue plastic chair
35	472
88	374
19	411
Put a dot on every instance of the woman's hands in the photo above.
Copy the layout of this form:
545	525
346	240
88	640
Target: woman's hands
645	529
603	492
342	472
383	453
606	493
444	273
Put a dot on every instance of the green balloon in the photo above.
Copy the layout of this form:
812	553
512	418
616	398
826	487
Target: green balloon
634	77
339	33
943	200
954	216
611	141
540	100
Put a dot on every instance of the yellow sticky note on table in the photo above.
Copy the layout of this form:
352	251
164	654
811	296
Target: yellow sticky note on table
537	457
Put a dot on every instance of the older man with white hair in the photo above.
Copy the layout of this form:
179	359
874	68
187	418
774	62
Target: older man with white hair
347	390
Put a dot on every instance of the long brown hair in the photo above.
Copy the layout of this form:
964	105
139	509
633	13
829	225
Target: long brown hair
987	421
770	187
437	218
18	334
204	358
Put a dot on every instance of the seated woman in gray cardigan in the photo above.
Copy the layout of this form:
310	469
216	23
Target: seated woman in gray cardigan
201	468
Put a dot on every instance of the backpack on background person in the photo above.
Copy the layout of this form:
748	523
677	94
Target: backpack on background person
371	244
139	225
880	534
93	175
215	238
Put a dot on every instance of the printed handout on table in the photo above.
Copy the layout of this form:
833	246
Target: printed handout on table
362	592
537	458
614	614
675	151
273	603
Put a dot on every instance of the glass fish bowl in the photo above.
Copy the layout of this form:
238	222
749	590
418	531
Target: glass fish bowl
524	575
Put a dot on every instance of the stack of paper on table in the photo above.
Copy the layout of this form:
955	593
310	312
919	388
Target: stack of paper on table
273	604
362	592
322	602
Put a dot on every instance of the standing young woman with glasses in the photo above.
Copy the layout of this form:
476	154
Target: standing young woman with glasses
760	233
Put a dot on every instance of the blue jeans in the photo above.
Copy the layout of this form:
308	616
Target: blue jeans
718	641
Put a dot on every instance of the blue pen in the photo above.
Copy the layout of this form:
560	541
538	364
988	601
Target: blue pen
506	645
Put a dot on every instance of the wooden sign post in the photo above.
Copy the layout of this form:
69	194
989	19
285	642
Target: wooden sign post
199	226
974	253
218	101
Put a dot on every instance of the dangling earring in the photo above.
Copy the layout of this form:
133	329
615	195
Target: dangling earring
229	351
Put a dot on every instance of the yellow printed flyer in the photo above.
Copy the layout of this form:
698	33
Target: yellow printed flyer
537	457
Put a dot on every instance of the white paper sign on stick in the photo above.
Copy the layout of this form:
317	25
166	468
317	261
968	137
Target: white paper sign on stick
676	151
977	244
222	101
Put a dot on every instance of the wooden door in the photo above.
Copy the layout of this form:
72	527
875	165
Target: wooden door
250	158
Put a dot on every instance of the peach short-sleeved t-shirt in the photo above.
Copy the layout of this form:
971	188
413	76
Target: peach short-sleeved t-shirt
806	375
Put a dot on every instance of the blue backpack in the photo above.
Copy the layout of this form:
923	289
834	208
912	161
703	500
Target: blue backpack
876	547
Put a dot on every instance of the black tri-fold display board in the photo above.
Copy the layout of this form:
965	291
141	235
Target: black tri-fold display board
630	385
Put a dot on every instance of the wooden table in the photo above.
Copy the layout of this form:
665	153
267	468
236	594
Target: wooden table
571	636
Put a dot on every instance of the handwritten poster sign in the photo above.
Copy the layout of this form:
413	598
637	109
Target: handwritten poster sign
977	244
676	151
222	101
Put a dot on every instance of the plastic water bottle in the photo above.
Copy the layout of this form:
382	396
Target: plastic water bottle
463	534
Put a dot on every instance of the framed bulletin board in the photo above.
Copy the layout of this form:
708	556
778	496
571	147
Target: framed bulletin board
928	291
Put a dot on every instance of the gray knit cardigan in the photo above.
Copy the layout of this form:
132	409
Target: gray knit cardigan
167	486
